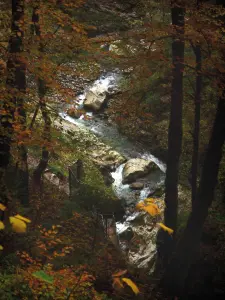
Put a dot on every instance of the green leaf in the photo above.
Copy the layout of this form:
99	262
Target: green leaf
43	276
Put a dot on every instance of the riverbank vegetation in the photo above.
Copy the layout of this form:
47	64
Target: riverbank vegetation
90	91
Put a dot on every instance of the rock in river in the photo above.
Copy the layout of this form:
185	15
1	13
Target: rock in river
137	168
137	185
94	101
141	248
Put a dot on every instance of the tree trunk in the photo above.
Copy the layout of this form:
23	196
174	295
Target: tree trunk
76	174
15	89
22	175
165	242
194	164
177	270
38	172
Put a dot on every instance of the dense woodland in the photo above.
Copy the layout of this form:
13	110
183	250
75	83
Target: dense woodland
112	156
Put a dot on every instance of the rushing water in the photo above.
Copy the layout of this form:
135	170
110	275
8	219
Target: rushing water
110	135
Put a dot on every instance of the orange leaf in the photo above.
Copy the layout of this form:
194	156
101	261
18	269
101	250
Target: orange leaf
117	283
120	273
152	209
140	205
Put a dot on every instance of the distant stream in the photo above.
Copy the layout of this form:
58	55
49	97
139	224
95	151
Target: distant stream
110	135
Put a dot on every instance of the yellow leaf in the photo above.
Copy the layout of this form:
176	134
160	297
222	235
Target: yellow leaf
2	207
120	273
1	248
164	227
131	284
152	209
18	225
22	218
2	226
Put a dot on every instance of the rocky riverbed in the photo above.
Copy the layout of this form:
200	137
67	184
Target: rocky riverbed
133	172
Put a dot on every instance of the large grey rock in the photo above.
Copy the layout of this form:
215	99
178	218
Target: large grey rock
143	253
142	249
94	101
137	186
137	168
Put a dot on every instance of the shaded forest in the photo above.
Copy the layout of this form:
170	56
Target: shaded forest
112	156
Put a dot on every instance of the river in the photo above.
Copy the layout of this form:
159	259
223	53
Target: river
110	134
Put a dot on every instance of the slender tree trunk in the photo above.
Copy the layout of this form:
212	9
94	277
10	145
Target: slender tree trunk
38	172
15	89
165	242
178	268
198	88
22	175
34	116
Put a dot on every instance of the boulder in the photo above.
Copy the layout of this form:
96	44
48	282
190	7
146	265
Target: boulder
94	101
137	186
136	168
108	158
142	251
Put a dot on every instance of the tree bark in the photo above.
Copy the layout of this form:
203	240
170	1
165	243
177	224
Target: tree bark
38	172
165	242
197	102
178	268
22	176
15	89
76	174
